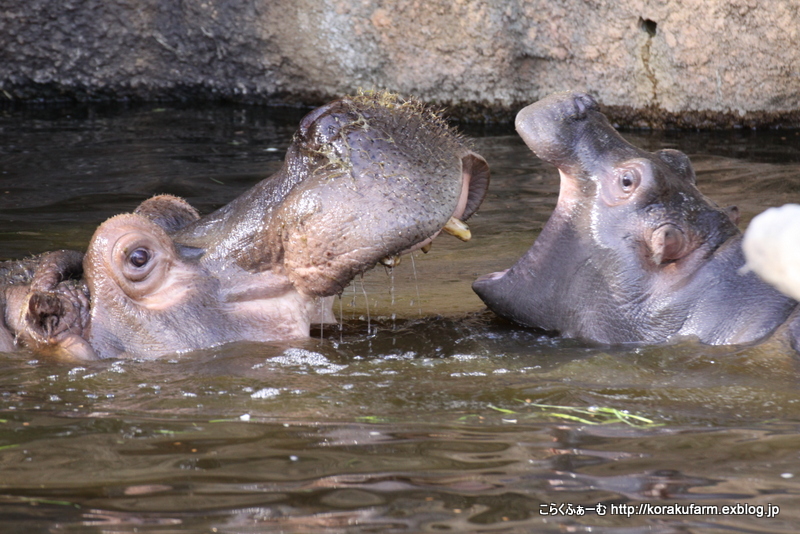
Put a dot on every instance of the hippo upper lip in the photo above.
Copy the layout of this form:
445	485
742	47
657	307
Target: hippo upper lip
478	174
475	184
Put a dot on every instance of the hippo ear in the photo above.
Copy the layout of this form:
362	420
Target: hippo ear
476	175
169	212
678	162
669	243
733	214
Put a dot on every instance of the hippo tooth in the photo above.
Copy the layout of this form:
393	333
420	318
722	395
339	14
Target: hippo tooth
458	228
426	248
390	261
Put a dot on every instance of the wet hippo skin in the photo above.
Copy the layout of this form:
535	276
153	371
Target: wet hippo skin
633	252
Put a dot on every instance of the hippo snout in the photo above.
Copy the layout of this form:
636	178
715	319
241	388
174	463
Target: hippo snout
554	126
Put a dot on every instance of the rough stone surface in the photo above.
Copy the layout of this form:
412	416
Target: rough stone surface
679	63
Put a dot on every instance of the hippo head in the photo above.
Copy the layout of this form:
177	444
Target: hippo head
152	297
44	306
628	234
366	179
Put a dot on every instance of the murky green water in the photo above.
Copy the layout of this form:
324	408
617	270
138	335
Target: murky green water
422	412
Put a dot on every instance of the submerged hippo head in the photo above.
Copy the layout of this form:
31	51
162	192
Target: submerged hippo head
366	178
45	306
149	297
633	251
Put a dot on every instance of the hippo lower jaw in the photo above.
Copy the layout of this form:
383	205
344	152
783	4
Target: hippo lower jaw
277	317
524	293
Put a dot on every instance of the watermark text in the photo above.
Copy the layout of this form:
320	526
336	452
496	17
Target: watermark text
645	508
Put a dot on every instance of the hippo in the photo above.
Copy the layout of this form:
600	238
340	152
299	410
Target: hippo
633	252
366	179
45	305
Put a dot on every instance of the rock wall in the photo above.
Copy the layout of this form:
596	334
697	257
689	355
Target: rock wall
684	62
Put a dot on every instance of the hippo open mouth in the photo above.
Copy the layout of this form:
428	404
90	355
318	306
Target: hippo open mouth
366	178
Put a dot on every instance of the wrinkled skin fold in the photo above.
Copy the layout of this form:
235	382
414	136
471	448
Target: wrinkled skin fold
633	252
366	178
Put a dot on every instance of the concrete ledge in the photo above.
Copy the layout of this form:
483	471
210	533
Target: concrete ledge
680	64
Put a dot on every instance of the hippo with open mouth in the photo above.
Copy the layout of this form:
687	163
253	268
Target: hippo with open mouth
633	252
366	178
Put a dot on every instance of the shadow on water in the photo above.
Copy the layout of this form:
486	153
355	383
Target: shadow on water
420	411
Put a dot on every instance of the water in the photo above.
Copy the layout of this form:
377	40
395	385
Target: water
422	412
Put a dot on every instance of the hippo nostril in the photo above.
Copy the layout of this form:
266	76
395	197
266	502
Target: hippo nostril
44	313
320	128
308	121
583	103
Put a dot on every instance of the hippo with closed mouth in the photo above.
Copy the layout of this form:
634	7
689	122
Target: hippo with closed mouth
366	178
633	252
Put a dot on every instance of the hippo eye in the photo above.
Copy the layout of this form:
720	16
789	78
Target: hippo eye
139	257
628	181
619	187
